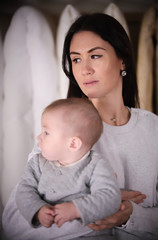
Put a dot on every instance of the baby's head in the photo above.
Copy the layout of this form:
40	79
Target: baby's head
72	122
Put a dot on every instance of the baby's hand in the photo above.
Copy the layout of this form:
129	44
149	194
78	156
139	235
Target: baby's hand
65	212
45	216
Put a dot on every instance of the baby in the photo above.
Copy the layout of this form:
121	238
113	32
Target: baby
66	180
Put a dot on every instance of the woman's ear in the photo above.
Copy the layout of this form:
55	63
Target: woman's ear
75	144
123	66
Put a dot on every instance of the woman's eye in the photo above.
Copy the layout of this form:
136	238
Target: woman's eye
76	60
95	56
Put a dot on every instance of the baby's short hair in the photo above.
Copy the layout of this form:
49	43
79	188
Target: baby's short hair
80	114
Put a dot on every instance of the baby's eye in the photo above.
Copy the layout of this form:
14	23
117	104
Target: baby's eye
46	133
95	56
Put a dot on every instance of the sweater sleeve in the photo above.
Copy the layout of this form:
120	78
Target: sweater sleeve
104	198
143	218
28	199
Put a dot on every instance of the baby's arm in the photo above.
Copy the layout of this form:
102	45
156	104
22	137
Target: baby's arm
27	195
45	216
104	198
65	212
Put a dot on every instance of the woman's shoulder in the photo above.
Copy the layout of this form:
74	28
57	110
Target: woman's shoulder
145	116
144	113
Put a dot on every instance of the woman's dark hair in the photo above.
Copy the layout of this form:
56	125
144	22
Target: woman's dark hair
110	30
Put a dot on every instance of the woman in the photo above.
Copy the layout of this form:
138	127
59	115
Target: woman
97	58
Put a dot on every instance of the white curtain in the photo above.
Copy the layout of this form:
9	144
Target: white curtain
30	83
114	11
67	17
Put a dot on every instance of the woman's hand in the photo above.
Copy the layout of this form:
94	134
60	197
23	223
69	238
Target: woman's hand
134	196
116	219
122	216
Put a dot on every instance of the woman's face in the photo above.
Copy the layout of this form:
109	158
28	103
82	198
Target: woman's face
95	65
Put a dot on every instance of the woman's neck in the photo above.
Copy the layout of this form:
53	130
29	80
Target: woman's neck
115	114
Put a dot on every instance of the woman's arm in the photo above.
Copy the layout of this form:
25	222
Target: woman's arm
116	219
134	217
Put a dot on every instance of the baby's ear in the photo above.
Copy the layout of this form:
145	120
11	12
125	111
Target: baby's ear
75	144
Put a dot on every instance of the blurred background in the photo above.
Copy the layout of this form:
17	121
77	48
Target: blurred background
132	9
31	39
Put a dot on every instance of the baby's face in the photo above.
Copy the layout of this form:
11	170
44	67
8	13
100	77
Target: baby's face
53	138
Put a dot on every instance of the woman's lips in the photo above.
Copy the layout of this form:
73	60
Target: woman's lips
90	83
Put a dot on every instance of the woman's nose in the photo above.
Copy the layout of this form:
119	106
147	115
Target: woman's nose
87	68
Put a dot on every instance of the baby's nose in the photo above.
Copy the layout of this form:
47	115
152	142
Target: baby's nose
39	137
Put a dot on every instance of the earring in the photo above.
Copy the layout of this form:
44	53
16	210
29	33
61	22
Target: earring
123	73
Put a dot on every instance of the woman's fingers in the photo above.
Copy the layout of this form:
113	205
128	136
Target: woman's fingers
134	196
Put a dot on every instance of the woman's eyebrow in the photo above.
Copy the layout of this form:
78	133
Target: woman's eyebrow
76	53
96	48
89	51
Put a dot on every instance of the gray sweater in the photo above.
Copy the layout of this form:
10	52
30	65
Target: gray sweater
132	150
90	183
